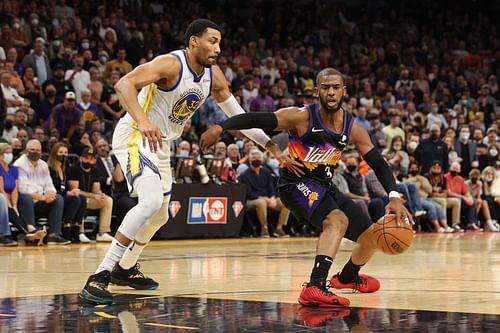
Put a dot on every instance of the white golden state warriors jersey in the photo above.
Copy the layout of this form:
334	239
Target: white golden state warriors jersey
170	109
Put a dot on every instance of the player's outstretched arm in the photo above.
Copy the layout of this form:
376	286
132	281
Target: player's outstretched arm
162	67
231	107
360	137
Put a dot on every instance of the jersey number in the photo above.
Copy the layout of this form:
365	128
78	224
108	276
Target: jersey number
328	172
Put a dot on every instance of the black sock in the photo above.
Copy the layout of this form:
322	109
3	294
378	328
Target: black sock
349	272
320	270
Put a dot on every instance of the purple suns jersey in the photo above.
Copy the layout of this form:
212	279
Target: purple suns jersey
319	149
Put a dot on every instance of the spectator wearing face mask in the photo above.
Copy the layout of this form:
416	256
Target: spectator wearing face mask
466	150
261	194
62	86
432	149
458	189
38	195
48	103
475	187
440	194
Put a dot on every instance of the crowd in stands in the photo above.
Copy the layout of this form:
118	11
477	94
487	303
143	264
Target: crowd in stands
421	79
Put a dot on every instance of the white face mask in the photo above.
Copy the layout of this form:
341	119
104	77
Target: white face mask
8	157
465	136
184	153
493	153
413	145
273	163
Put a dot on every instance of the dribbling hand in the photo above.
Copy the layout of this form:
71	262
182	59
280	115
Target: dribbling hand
396	206
152	134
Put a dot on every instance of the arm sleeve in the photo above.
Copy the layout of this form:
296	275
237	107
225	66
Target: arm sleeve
381	169
265	120
231	108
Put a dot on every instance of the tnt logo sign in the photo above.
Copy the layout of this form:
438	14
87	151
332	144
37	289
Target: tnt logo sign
207	210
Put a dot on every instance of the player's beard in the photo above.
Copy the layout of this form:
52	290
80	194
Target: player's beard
327	108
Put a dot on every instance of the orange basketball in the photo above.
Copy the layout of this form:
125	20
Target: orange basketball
391	238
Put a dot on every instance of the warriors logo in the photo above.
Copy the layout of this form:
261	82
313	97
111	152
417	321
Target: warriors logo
185	107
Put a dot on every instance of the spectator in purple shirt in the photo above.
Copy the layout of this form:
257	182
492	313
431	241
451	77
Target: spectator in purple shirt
263	102
48	103
66	116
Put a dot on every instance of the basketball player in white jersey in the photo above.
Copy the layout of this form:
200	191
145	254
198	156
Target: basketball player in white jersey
172	87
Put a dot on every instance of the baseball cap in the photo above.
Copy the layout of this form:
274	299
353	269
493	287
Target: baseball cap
434	127
88	151
491	129
40	40
70	95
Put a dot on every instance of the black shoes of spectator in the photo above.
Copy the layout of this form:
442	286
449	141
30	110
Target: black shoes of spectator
96	289
7	241
72	233
133	278
55	239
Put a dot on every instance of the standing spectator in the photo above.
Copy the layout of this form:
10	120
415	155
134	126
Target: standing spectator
74	204
434	118
47	104
78	77
37	193
452	154
65	117
119	64
376	134
393	129
440	194
39	61
466	150
458	189
62	86
113	111
95	85
249	91
261	194
84	176
432	149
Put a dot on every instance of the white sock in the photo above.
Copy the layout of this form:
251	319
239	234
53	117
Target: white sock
131	256
113	255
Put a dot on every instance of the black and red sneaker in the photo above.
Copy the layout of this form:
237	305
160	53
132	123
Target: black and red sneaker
312	295
317	316
363	283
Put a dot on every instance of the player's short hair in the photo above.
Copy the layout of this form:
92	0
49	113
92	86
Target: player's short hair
329	71
198	27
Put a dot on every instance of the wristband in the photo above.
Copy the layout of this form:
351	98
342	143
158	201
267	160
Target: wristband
394	194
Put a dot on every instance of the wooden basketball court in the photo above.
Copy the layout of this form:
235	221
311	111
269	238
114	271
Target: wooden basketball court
443	279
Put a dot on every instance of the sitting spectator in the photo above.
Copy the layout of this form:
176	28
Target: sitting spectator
244	161
376	134
458	189
9	193
12	98
452	154
84	176
396	156
113	110
122	201
433	209
393	129
261	194
47	104
5	233
475	187
37	193
105	166
231	163
79	77
66	116
491	192
440	194
74	204
357	188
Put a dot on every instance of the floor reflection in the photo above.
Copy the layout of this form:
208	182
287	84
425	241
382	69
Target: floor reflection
132	313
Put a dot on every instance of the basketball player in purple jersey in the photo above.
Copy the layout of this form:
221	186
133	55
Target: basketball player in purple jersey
318	135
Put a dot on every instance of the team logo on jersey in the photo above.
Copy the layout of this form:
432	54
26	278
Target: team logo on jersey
185	107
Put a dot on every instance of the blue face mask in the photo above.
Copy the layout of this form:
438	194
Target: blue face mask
273	163
184	153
